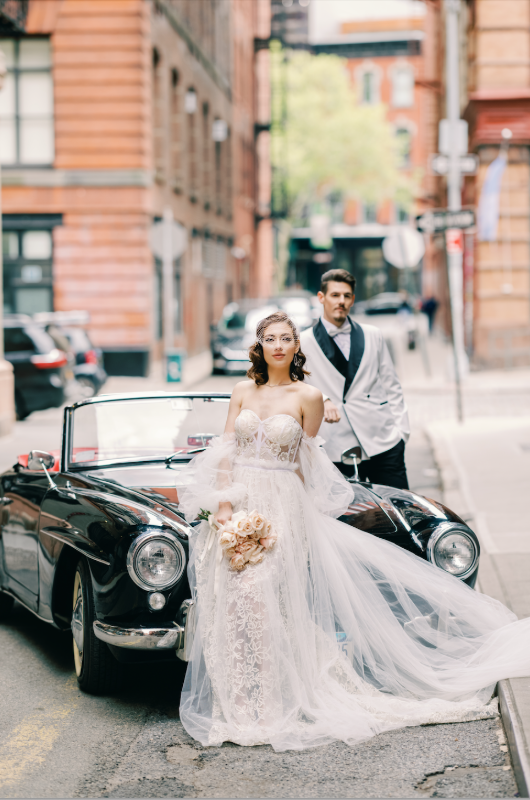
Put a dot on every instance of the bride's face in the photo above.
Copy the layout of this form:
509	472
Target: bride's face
279	345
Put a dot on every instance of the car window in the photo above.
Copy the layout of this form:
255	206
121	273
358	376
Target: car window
17	341
79	340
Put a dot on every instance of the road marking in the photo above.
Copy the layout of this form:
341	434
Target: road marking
30	742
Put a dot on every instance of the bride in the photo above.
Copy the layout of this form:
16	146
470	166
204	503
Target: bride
266	666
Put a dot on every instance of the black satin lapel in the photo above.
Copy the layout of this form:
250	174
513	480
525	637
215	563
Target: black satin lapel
356	354
330	349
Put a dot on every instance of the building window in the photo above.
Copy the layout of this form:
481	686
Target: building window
369	212
404	141
369	88
27	271
176	133
26	103
403	87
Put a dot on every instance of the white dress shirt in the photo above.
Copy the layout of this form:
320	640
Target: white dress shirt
343	340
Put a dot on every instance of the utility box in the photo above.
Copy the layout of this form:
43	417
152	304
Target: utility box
175	365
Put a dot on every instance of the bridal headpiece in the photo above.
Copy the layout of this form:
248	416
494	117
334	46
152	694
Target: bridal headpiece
277	316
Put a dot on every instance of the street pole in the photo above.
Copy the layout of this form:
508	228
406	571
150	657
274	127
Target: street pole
167	281
454	202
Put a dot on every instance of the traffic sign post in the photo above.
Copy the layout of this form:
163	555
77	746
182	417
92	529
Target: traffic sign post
467	164
441	219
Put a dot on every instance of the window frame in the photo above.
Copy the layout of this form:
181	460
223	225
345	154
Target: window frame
12	271
16	71
402	69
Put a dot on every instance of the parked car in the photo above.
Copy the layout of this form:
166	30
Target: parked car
85	360
38	365
93	539
297	305
235	333
394	315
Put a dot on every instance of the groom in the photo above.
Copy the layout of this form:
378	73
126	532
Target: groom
363	399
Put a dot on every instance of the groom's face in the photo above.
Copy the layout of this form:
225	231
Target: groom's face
337	301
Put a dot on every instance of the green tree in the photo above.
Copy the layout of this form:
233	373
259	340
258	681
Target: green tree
328	141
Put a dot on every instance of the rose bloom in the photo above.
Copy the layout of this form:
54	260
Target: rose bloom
227	539
267	528
247	527
268	542
257	557
238	520
237	562
257	520
248	548
254	536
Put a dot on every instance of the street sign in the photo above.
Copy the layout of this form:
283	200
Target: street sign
404	247
441	219
467	164
179	239
444	137
454	241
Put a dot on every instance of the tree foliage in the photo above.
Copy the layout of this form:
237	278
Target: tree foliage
332	142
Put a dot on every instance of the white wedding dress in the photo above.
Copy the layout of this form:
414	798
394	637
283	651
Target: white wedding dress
335	634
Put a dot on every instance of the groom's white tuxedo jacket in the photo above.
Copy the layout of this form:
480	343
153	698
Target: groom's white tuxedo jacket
365	389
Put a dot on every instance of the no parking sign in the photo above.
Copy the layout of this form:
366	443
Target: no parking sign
174	365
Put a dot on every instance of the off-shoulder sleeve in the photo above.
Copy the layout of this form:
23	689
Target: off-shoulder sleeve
327	487
207	479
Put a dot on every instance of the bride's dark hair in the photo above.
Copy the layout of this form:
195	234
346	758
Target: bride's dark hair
259	371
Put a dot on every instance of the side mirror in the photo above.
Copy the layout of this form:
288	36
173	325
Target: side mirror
38	459
352	457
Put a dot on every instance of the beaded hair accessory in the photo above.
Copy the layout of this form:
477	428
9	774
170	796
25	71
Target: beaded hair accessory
278	316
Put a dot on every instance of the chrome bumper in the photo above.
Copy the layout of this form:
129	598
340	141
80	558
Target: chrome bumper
178	638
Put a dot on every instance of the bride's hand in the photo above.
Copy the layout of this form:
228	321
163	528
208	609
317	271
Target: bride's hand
224	514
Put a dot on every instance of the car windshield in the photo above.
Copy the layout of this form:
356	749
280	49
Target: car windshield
144	428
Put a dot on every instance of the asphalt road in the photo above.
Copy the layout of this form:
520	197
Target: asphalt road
57	742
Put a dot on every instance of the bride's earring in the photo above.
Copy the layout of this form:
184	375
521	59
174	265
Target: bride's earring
297	361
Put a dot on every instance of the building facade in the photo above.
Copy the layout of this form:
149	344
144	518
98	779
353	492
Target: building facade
118	112
497	97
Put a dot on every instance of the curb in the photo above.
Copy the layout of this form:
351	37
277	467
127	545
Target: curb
457	497
514	736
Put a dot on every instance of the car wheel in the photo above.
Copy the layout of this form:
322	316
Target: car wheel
6	604
87	387
97	670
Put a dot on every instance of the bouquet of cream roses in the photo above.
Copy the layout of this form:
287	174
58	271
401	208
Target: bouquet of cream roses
245	538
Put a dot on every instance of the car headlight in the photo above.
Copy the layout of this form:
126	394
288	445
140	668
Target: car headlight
156	560
453	550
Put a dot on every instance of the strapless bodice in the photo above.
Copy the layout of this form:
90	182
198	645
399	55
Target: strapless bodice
270	443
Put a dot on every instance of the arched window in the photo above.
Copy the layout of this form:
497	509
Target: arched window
403	87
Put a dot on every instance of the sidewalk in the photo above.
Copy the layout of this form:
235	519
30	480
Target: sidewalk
485	473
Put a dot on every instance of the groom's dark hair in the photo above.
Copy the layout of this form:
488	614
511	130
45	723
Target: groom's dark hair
339	276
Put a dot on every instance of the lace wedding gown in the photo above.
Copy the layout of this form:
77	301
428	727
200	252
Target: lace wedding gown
267	664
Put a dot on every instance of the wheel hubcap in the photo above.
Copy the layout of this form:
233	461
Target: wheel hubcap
77	623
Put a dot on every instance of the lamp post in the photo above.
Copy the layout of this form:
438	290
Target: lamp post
7	389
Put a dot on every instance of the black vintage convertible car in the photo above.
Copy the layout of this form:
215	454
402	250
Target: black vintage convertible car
92	538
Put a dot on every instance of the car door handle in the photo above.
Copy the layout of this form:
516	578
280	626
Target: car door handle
6	501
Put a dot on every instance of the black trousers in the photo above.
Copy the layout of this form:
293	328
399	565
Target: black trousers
386	468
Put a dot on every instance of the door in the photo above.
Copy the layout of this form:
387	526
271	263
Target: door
22	498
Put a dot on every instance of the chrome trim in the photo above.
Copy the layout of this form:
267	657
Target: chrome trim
187	618
442	530
109	398
178	638
25	605
140	638
66	540
133	551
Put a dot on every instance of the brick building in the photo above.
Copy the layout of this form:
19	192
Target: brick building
497	96
116	110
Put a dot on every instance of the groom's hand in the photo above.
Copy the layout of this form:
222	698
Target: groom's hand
331	412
